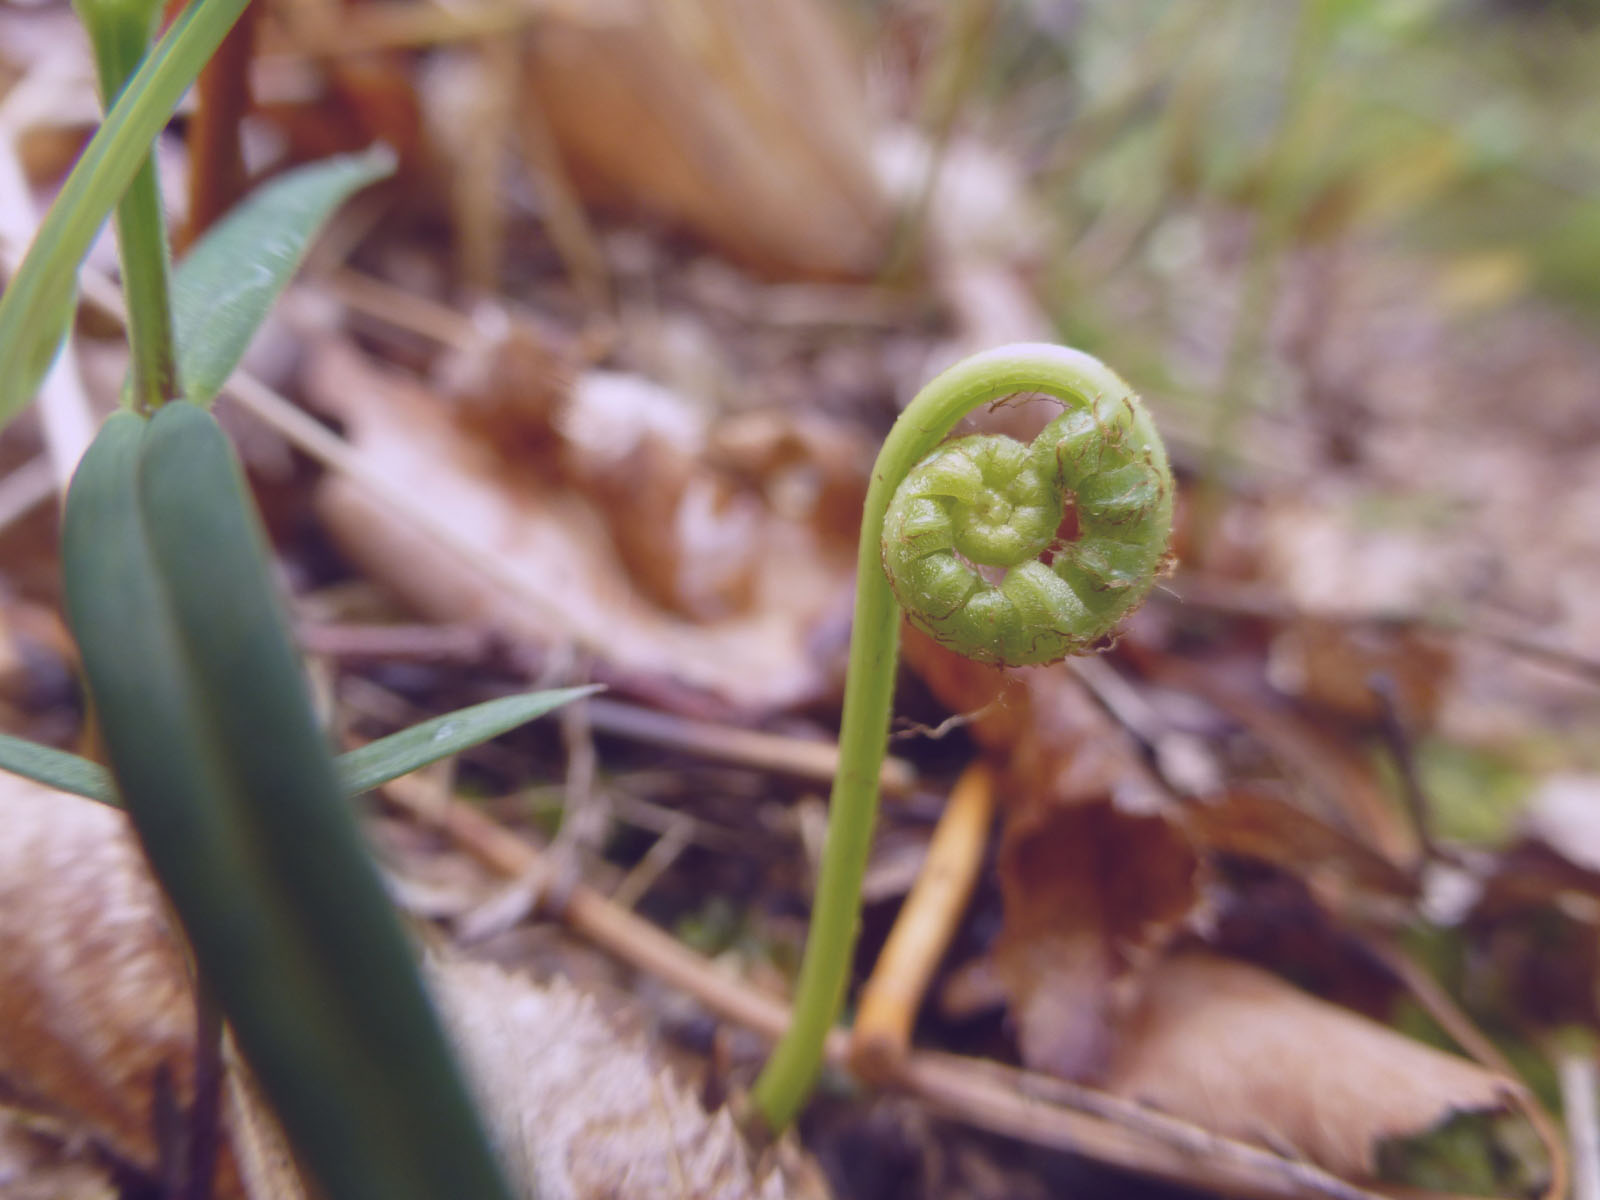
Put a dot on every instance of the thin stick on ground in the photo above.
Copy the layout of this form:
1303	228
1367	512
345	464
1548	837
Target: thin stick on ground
1578	1082
922	932
745	747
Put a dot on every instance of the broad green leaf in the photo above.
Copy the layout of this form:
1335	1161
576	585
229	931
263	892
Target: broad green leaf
406	751
57	769
359	771
36	306
225	286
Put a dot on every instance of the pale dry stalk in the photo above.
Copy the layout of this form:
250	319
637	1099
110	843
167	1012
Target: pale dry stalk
922	932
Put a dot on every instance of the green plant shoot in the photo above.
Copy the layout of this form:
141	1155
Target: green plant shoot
939	524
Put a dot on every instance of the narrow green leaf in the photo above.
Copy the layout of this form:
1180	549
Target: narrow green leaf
36	306
225	286
359	770
57	769
406	751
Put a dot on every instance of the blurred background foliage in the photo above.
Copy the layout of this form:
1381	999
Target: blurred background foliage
1465	129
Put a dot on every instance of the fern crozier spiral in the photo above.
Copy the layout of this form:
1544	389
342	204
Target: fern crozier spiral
1017	554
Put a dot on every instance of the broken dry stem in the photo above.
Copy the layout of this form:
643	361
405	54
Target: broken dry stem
744	747
1579	1080
923	930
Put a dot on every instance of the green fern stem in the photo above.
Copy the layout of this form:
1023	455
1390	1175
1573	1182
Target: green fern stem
1014	555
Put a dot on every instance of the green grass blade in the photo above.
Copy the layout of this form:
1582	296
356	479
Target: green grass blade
225	286
406	751
38	302
359	770
57	769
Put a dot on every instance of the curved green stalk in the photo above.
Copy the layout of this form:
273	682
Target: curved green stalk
120	31
1085	385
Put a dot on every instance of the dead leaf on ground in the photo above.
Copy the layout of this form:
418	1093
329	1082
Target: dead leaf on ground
345	104
1241	1052
1096	874
571	585
1091	896
747	125
1564	815
582	1114
1265	823
1342	665
1335	781
94	1000
34	1166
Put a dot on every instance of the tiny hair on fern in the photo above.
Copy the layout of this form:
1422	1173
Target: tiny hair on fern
1011	554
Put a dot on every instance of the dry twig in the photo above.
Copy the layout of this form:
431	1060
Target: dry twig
922	932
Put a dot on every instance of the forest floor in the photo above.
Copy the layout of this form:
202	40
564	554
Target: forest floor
1294	891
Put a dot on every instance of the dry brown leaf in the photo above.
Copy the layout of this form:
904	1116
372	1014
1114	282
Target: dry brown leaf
1091	894
558	578
1339	785
1241	1052
1557	852
1096	874
1340	665
688	537
94	1002
36	1167
1266	824
354	101
746	124
577	1111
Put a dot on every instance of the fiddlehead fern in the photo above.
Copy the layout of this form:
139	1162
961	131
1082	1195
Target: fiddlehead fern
1010	554
974	547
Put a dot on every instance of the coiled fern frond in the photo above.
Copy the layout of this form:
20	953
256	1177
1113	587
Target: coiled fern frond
1019	554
